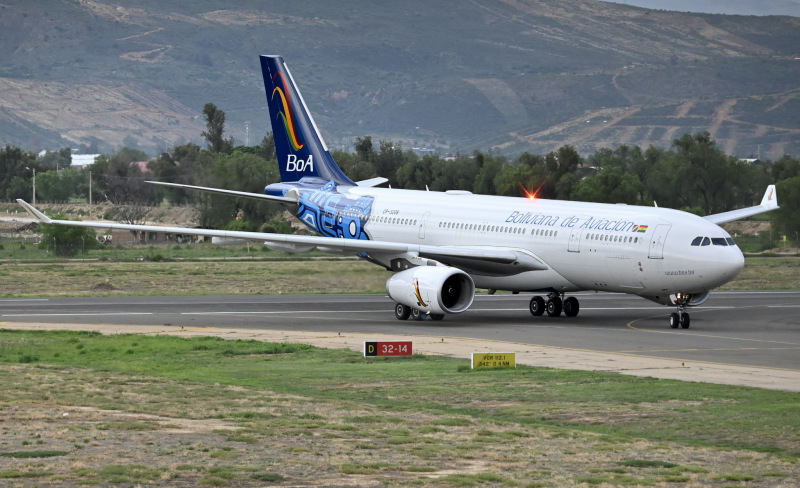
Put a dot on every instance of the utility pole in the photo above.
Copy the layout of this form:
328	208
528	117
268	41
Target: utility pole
34	184
90	192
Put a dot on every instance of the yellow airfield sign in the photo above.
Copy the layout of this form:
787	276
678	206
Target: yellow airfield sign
486	360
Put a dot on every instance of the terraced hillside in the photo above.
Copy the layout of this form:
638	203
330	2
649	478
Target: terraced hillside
512	75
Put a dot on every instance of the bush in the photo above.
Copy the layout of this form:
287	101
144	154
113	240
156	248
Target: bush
67	240
277	226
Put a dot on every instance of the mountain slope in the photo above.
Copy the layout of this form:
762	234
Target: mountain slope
511	74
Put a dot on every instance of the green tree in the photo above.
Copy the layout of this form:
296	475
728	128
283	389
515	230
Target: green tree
67	240
609	185
215	130
704	165
267	150
389	159
15	164
57	160
243	170
165	169
489	167
787	218
416	173
57	186
785	168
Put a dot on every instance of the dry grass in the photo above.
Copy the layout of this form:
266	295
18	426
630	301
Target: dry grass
268	277
768	273
191	277
223	436
81	408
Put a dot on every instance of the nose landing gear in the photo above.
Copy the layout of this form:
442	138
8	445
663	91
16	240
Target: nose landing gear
680	318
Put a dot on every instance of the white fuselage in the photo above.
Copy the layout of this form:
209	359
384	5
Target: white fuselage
646	251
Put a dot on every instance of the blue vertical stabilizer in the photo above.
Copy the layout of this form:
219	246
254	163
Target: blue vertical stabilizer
299	146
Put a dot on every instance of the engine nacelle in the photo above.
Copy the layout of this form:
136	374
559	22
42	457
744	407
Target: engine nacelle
434	289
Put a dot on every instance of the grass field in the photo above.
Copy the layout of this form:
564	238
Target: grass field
86	409
206	277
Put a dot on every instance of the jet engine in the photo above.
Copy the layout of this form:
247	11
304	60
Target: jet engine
434	289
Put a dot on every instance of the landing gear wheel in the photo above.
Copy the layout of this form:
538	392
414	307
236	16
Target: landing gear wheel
536	306
571	306
674	320
685	321
437	316
417	315
401	311
554	306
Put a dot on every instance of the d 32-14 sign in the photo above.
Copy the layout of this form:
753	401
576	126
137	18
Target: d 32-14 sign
387	348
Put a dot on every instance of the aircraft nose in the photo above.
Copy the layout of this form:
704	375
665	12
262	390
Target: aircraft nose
732	263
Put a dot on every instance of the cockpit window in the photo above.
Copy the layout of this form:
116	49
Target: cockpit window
730	241
696	241
718	241
706	241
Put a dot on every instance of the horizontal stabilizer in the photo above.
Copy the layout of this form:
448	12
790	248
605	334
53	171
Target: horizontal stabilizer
230	193
372	181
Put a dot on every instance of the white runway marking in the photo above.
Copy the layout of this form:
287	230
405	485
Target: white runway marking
73	314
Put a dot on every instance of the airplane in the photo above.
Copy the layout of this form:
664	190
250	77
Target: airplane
441	246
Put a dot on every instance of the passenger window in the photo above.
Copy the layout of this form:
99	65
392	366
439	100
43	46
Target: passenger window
696	241
706	241
718	241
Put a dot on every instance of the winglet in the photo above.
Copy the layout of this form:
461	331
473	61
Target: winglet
770	198
33	212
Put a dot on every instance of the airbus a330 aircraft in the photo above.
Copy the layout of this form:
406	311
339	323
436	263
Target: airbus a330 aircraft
442	246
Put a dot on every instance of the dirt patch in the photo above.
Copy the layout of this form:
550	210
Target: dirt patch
104	287
746	228
166	424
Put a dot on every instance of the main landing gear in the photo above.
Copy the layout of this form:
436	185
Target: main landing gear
403	312
555	304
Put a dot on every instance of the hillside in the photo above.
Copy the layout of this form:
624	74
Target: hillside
512	75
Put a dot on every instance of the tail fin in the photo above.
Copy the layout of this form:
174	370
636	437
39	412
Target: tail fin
298	144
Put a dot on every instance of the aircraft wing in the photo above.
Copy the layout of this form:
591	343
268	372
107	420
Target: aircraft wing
230	193
768	203
474	258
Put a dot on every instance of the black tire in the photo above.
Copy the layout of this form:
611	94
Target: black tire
437	316
417	315
401	311
554	307
674	320
536	306
571	307
685	321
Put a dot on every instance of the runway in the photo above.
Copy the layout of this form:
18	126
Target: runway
754	329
